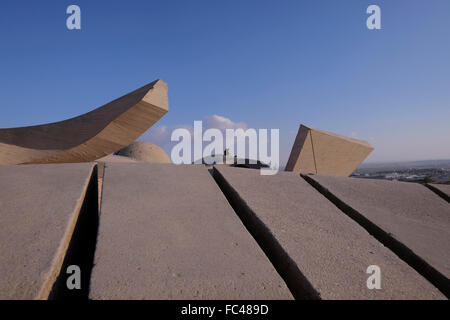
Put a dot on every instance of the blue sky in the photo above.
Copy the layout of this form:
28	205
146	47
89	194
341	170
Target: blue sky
267	64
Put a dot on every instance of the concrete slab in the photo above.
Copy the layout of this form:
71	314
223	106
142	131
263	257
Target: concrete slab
39	207
410	218
167	232
328	252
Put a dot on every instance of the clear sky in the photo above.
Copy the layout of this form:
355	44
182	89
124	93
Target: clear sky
266	64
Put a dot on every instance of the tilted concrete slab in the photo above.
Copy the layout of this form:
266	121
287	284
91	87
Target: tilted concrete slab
328	252
408	213
320	152
167	232
39	207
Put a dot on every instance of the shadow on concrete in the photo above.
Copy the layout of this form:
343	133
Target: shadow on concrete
297	283
439	280
438	192
82	246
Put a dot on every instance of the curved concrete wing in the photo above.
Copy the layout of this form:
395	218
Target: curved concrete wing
90	136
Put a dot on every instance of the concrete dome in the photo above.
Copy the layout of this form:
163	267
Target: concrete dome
145	151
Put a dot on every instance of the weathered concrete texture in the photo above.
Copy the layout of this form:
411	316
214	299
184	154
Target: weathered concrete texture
443	190
39	207
331	251
167	232
408	212
320	152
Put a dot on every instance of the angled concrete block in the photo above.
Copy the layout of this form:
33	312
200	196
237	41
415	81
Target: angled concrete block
167	232
319	250
321	152
39	207
408	217
89	136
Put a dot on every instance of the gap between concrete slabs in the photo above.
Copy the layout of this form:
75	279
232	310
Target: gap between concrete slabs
81	249
439	190
168	232
41	208
439	280
311	243
297	283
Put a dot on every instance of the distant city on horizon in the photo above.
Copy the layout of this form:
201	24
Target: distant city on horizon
421	171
